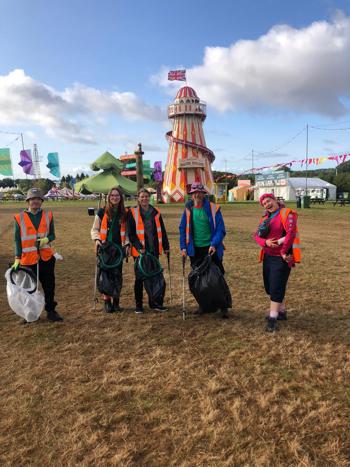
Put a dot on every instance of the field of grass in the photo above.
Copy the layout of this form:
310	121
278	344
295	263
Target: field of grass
154	390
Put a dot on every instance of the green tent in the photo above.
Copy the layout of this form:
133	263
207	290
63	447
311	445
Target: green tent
109	177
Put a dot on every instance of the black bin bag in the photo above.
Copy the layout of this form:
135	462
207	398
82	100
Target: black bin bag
208	286
109	272
149	270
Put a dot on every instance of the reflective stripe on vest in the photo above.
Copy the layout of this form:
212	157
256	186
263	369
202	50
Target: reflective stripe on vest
29	237
284	213
104	229
140	230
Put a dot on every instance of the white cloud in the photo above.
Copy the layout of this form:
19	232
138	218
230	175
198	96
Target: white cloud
69	115
300	70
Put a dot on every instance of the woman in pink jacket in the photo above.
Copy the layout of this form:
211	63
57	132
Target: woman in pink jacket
278	237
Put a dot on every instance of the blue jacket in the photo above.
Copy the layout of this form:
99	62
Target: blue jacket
217	233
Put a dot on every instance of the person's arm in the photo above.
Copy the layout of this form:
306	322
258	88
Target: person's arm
51	235
182	229
17	239
95	230
290	228
134	240
165	241
220	231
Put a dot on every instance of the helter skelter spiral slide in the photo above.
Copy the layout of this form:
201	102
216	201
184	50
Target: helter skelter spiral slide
189	160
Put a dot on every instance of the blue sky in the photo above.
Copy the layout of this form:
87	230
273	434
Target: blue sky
81	77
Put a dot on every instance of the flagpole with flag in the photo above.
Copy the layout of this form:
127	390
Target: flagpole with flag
5	162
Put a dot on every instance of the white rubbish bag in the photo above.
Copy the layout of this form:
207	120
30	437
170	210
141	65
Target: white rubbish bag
22	294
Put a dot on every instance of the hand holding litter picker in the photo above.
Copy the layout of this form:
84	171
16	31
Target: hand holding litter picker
169	271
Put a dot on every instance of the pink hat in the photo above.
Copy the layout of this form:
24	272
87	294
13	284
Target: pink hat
197	188
266	195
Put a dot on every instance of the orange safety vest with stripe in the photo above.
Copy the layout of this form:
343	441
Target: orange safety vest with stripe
104	228
140	230
213	208
29	237
284	213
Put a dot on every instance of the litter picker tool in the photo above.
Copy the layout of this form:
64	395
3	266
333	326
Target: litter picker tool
95	299
183	288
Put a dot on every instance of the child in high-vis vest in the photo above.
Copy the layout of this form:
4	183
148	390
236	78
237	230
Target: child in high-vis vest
278	237
34	232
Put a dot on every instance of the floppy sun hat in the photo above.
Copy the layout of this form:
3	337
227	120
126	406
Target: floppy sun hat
197	187
35	193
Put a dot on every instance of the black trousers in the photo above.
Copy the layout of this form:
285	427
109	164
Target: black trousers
138	291
47	280
201	252
275	273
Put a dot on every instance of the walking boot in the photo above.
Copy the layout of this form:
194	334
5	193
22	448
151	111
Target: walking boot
116	306
271	324
54	316
282	315
108	306
224	313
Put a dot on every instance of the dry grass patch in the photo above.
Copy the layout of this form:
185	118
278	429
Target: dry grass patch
154	390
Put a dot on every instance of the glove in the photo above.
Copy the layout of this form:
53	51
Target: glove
43	241
16	264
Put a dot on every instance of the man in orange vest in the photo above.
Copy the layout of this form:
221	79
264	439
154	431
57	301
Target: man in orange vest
34	232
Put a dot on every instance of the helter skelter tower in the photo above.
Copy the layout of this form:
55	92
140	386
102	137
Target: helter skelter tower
189	160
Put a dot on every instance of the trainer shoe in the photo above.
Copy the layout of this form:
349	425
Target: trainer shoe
159	308
54	316
139	310
271	324
282	316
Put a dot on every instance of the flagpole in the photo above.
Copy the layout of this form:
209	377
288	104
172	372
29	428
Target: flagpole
307	156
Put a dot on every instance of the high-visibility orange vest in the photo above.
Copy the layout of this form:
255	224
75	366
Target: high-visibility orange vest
104	229
284	213
213	208
140	230
29	237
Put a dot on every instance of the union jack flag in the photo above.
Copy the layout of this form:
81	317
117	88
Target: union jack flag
177	75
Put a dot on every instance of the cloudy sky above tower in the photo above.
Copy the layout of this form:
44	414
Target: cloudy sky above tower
82	77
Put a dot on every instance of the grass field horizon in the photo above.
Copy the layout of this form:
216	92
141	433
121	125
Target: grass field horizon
152	390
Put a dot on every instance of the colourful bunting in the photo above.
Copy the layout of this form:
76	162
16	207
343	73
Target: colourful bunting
5	162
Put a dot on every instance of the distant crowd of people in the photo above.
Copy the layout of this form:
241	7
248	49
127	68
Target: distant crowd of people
140	230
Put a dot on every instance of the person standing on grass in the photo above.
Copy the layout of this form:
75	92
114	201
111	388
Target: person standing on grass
110	224
34	231
146	233
278	237
202	231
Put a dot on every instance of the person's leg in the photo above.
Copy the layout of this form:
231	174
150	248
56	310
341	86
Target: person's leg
48	282
279	274
216	260
199	254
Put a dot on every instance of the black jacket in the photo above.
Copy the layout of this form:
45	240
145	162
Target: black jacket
134	240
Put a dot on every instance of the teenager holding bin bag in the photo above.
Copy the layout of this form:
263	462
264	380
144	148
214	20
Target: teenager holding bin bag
278	236
149	239
111	244
34	232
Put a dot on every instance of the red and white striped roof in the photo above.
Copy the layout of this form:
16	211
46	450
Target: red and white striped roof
186	91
